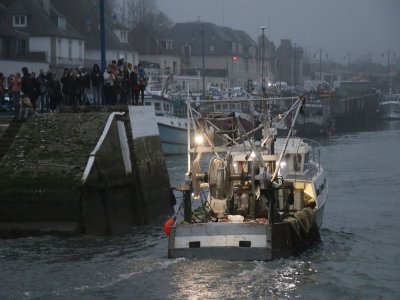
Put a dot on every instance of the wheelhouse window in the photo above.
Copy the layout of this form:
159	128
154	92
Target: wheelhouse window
19	21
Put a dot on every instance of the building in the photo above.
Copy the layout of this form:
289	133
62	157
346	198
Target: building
35	32
224	57
289	63
156	52
85	15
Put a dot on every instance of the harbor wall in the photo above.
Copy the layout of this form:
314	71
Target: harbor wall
81	171
352	111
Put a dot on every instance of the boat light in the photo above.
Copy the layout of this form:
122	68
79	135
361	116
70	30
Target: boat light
283	164
252	154
199	139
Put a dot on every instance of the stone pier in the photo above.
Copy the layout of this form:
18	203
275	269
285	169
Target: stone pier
82	170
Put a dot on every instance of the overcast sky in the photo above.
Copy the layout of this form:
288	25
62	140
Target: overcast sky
339	27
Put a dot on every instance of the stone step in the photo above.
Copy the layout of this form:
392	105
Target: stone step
25	229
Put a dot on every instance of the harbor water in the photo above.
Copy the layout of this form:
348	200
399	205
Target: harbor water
359	257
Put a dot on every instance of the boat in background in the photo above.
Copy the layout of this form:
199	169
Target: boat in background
258	200
316	119
389	107
172	123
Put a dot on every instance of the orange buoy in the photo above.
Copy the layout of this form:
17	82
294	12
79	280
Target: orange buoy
168	224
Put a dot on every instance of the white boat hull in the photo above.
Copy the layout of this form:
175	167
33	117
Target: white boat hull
237	241
389	110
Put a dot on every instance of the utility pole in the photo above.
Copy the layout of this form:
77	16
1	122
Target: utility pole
262	63
202	54
388	59
320	63
102	37
295	65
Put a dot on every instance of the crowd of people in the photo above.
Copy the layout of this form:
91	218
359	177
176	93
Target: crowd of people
120	83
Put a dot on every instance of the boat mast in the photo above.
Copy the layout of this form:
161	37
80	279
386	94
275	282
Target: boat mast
188	127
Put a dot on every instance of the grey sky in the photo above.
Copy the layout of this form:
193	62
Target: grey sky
339	27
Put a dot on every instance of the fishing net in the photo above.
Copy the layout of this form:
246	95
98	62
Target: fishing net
302	220
203	214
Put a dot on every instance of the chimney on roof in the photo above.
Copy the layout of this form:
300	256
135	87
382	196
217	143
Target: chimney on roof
46	6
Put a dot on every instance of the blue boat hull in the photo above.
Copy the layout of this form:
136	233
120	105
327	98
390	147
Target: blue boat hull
173	139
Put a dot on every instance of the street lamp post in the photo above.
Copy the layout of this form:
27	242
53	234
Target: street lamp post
262	63
102	37
202	55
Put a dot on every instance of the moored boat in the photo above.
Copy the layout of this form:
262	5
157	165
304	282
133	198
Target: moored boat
172	123
316	120
389	106
258	200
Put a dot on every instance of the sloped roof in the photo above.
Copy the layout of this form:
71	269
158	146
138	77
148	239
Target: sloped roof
39	22
85	16
6	30
217	39
145	40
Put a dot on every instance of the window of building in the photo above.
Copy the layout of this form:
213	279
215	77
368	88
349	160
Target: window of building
186	50
19	21
62	23
80	50
167	44
240	48
69	49
124	37
21	48
59	47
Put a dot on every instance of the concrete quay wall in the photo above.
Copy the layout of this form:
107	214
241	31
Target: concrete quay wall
352	110
85	170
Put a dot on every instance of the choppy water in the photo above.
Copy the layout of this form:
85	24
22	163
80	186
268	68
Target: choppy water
358	259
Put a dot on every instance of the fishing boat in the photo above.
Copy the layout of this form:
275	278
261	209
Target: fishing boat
389	107
172	122
316	120
247	199
170	114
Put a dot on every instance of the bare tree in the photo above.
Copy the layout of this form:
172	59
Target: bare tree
133	12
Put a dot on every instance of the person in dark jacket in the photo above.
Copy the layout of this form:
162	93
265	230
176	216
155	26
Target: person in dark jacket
65	90
134	80
142	81
44	101
97	85
84	85
25	81
74	88
34	90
